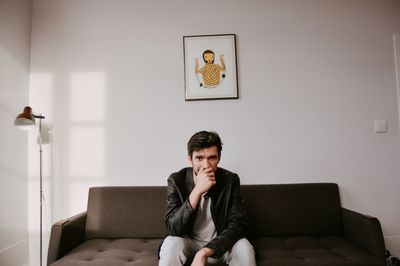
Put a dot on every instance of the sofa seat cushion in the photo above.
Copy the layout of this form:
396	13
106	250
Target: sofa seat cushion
304	250
118	252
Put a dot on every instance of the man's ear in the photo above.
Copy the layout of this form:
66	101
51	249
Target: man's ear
190	160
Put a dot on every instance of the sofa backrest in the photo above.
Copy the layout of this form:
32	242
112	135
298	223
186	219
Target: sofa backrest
126	212
273	210
293	209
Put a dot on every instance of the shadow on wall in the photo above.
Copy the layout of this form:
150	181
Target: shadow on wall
7	171
7	111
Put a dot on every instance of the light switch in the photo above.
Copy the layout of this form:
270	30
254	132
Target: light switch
380	126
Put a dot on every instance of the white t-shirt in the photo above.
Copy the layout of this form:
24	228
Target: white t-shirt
204	227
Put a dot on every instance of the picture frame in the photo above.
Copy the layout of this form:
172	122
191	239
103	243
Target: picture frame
210	67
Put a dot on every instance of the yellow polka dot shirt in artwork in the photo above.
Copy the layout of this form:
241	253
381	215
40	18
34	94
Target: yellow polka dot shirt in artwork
211	75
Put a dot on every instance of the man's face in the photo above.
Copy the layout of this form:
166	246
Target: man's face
204	158
209	57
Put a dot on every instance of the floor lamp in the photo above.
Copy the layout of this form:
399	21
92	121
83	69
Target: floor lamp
26	121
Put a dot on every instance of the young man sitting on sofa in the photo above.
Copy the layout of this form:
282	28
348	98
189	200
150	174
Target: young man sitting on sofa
205	217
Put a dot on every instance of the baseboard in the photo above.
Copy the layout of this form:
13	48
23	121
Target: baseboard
393	245
16	254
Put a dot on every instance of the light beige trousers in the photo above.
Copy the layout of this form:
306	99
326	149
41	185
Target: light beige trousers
180	250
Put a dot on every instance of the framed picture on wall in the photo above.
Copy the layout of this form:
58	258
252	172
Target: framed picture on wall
210	67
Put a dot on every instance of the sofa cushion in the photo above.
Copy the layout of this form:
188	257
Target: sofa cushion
118	252
293	209
307	251
126	212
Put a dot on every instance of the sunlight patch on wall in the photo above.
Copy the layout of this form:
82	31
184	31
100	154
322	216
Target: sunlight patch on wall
86	138
87	152
87	97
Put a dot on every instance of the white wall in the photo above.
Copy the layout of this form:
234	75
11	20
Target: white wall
313	77
15	28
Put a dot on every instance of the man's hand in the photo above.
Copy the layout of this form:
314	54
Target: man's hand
201	256
205	179
222	63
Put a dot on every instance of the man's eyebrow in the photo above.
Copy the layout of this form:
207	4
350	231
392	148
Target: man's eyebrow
209	157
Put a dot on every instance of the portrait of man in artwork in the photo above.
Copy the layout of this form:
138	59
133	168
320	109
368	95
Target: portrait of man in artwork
210	75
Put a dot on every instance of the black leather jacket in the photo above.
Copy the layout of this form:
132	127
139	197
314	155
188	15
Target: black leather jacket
227	209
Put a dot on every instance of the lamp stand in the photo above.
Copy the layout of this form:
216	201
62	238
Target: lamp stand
40	117
41	187
24	121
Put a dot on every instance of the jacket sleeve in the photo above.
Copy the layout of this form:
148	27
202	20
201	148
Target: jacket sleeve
237	224
179	212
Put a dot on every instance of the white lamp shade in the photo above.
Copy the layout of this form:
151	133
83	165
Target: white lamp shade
24	124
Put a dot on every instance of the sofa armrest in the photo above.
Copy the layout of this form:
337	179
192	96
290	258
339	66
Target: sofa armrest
65	235
365	231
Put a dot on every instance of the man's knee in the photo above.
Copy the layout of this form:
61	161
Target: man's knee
243	250
243	245
173	244
172	251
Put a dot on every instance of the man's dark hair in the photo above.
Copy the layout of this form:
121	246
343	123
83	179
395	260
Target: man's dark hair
204	139
208	52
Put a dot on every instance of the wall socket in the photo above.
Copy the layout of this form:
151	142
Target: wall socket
380	126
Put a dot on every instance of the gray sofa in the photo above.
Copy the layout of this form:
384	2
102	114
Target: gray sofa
292	224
